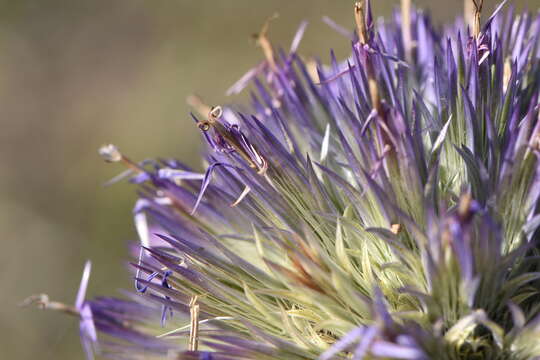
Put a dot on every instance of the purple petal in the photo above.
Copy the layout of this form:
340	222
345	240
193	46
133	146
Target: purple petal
87	323
174	174
243	82
87	331
81	294
365	342
206	182
495	13
338	28
350	338
386	349
298	37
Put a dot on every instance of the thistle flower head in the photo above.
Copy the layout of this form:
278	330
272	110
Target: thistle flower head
386	208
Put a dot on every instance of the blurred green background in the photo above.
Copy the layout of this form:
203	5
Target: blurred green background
77	74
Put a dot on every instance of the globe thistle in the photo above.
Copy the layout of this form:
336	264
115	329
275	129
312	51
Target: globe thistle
382	207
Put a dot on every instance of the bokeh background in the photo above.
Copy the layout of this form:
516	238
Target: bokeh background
75	74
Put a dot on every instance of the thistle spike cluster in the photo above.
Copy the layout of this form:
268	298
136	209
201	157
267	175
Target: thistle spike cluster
385	209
